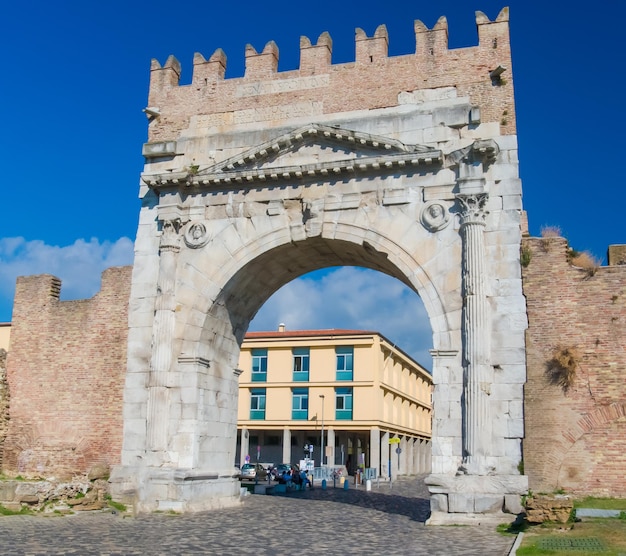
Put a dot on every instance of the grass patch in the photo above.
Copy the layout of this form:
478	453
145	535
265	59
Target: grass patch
610	532
601	503
548	234
587	262
23	511
115	505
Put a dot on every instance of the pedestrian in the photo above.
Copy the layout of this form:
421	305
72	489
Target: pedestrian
304	480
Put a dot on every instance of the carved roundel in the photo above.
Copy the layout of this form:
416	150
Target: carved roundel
196	235
434	216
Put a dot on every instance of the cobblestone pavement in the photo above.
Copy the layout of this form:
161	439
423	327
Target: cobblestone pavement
331	522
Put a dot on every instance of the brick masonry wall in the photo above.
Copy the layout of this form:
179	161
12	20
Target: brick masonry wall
65	368
575	439
374	80
4	401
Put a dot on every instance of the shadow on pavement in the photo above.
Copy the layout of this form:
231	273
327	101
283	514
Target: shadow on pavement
415	508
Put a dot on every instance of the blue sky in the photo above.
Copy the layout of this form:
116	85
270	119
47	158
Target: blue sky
75	79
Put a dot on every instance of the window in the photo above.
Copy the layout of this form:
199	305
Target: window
257	403
343	403
300	403
259	365
300	364
345	357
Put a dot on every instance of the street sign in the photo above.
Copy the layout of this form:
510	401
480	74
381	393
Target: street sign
398	450
394	441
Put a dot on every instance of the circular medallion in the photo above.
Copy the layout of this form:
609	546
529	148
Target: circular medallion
196	235
434	217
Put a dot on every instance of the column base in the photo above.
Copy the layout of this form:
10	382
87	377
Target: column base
149	489
472	499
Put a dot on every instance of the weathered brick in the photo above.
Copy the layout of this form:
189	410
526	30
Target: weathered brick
575	438
65	370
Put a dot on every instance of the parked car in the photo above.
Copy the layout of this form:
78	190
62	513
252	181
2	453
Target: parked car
252	471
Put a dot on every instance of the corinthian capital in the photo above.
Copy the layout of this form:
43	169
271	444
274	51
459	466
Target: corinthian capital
170	240
473	208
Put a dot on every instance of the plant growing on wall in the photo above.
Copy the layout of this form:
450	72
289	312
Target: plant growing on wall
526	255
586	261
561	367
549	233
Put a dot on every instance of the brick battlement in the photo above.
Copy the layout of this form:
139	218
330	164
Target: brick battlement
318	87
65	371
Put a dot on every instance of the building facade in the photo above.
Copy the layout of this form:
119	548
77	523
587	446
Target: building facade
352	393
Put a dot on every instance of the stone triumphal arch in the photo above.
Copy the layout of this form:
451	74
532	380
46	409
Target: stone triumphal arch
406	165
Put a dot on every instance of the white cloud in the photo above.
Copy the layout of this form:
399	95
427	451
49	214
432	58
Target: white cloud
79	266
353	298
345	297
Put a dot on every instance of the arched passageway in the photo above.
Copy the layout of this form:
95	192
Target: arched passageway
380	165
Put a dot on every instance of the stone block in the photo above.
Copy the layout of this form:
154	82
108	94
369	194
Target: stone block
516	409
460	502
438	134
502	172
448	426
511	202
506	392
488	503
176	506
509	186
506	142
513	452
7	491
483	131
452	116
439	503
513	504
515	428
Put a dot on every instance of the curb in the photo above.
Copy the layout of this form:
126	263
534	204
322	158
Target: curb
516	544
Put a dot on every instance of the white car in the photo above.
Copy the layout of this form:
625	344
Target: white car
253	471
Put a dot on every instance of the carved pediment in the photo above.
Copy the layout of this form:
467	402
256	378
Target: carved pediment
310	152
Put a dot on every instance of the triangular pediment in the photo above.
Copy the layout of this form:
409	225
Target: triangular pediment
307	152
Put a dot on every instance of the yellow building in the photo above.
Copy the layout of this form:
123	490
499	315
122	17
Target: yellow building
5	335
372	401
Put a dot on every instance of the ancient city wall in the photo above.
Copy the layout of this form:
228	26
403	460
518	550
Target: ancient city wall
575	421
65	371
67	364
4	401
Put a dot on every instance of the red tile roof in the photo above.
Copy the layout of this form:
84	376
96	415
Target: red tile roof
302	333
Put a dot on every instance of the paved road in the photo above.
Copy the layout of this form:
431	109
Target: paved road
329	522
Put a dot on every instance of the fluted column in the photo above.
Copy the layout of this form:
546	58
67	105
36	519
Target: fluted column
162	336
476	330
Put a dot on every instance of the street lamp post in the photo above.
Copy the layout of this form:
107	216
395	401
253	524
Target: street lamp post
322	443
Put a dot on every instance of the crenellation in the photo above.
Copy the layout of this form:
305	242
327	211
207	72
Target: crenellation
493	34
371	49
316	58
163	78
319	88
261	64
431	42
208	71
